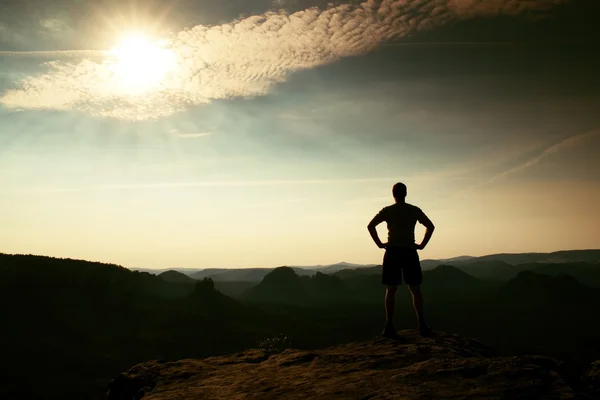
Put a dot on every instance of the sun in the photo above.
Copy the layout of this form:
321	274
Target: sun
141	64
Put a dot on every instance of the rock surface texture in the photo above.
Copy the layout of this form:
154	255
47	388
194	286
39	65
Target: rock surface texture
411	368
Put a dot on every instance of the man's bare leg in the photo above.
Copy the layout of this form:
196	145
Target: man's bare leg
417	296
390	306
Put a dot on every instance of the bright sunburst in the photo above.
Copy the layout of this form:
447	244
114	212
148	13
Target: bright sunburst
141	64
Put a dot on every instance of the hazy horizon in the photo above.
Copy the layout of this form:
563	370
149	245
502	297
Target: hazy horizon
268	133
322	264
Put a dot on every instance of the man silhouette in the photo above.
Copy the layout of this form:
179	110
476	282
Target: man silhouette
401	259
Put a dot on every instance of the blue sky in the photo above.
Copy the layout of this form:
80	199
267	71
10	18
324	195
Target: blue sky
276	135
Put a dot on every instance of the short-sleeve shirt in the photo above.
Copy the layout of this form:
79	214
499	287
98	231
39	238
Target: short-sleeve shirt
401	220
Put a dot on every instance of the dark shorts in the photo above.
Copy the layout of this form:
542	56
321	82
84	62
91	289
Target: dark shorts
399	263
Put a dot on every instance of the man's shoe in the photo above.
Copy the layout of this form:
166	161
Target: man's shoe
389	332
425	331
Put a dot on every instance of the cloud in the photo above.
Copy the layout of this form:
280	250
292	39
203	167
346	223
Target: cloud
189	135
246	57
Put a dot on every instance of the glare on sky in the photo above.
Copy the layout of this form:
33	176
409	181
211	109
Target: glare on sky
141	64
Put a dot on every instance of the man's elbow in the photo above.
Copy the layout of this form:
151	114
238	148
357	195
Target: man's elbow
371	226
430	227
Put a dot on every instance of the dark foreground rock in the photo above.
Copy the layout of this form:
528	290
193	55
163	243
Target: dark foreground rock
592	378
443	367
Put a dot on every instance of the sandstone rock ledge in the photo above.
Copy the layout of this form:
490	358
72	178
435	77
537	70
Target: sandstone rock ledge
444	367
592	378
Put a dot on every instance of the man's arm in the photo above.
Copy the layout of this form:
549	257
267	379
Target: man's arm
429	228
372	227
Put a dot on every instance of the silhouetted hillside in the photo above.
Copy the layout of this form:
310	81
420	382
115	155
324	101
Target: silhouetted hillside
551	314
492	269
450	284
586	273
449	274
445	283
82	322
547	291
234	289
91	279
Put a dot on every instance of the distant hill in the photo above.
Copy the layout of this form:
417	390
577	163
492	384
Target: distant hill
157	271
565	256
586	273
257	274
491	266
459	258
176	277
584	264
241	274
329	269
505	266
284	286
496	270
353	272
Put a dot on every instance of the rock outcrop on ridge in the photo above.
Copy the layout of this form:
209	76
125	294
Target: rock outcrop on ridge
442	367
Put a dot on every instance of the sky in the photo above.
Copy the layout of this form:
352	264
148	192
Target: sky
255	133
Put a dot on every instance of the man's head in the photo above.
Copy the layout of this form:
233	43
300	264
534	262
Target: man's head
399	191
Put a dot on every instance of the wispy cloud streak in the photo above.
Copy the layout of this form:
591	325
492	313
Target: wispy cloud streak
232	183
547	152
553	149
189	135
